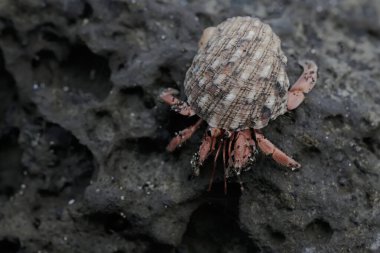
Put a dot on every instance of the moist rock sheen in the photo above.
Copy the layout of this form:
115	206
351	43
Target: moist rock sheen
141	199
238	80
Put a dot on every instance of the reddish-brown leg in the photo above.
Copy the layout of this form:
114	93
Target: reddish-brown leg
177	105
208	144
207	147
214	167
243	149
303	85
183	136
268	148
225	166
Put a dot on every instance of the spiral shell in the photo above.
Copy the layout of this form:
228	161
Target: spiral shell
238	79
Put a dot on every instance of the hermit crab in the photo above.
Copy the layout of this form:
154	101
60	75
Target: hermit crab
237	83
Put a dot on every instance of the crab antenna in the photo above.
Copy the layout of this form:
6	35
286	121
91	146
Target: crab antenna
224	166
214	166
230	148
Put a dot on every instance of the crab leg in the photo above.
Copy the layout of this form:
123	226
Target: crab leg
208	144
177	105
303	85
268	148
207	147
183	136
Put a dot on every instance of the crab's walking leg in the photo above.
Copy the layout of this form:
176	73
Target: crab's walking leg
183	136
208	144
207	147
303	85
177	105
279	156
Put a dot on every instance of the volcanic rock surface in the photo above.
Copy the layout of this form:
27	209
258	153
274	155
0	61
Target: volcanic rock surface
83	165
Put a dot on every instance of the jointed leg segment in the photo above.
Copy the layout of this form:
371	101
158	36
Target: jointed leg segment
208	144
177	105
183	136
279	156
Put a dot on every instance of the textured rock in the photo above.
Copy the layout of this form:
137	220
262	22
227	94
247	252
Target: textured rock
83	166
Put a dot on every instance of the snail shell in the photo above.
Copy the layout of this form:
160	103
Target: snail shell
237	79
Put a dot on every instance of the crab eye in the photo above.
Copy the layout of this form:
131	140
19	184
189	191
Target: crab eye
227	134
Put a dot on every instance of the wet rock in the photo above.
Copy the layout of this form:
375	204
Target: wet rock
82	144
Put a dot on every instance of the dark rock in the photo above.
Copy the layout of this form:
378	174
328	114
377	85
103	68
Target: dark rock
83	166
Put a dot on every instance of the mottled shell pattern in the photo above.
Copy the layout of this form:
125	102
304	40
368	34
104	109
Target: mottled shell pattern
238	79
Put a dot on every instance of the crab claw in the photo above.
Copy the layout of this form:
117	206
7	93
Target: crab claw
167	95
307	81
304	84
243	149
